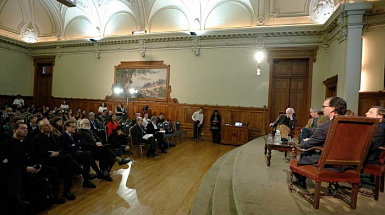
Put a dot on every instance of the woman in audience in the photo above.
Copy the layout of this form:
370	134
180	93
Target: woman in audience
57	125
102	107
70	113
216	126
64	106
118	141
112	124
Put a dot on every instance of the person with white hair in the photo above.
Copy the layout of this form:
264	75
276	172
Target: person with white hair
287	119
312	124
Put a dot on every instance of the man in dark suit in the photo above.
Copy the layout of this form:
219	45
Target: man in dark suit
100	152
332	106
137	132
9	134
48	148
379	136
71	143
287	119
32	126
152	128
22	154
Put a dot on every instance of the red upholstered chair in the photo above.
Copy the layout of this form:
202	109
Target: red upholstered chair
377	170
347	144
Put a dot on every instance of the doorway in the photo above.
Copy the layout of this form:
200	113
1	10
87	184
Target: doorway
43	80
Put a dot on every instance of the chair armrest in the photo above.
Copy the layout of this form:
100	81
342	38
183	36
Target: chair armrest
297	147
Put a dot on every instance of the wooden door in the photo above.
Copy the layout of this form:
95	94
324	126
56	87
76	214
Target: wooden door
290	88
43	81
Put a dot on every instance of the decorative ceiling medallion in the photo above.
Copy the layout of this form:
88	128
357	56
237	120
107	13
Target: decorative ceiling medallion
29	34
322	10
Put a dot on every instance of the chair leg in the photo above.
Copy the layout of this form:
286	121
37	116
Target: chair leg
291	181
317	195
382	183
353	201
377	187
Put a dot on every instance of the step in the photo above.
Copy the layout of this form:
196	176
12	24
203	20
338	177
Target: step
202	202
223	202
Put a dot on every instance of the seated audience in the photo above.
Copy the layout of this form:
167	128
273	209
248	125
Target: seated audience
32	126
47	145
312	124
287	119
102	107
57	125
100	152
119	110
379	136
118	140
160	119
11	186
152	128
331	107
112	124
71	143
8	134
22	155
146	120
350	113
104	116
137	133
7	114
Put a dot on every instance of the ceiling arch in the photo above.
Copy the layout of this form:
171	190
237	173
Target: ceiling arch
119	17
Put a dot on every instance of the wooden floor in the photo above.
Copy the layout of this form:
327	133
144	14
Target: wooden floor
163	185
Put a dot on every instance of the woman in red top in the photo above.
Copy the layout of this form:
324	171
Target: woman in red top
112	124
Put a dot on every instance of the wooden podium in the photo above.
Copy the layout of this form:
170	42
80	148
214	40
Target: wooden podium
234	135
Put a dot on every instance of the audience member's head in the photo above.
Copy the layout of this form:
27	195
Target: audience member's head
17	119
20	130
145	116
105	112
139	120
216	113
85	124
56	121
350	113
91	116
110	113
334	106
103	104
313	112
33	120
376	112
44	126
64	102
113	118
8	110
18	96
201	110
161	115
70	126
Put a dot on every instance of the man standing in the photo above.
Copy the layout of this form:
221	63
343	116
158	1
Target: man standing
197	117
312	124
287	119
379	136
331	107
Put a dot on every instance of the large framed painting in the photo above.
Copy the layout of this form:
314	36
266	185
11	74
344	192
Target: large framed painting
143	80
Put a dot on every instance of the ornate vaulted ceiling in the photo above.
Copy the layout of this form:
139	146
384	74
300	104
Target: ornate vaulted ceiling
49	20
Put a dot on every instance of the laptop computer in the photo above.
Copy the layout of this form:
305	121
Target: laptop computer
238	124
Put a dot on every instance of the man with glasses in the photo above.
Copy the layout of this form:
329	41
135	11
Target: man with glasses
48	148
331	107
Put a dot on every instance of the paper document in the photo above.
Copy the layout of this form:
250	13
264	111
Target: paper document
146	136
161	131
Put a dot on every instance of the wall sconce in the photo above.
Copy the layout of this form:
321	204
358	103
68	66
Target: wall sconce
259	70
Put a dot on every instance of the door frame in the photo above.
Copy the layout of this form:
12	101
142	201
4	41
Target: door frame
309	53
49	59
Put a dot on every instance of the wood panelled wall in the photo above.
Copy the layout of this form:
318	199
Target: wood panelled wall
254	118
368	99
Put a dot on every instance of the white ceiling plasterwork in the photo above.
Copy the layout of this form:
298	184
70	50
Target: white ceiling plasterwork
53	21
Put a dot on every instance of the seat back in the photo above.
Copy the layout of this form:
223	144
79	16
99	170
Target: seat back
348	141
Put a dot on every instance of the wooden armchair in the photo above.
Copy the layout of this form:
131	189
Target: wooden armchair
347	143
378	171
